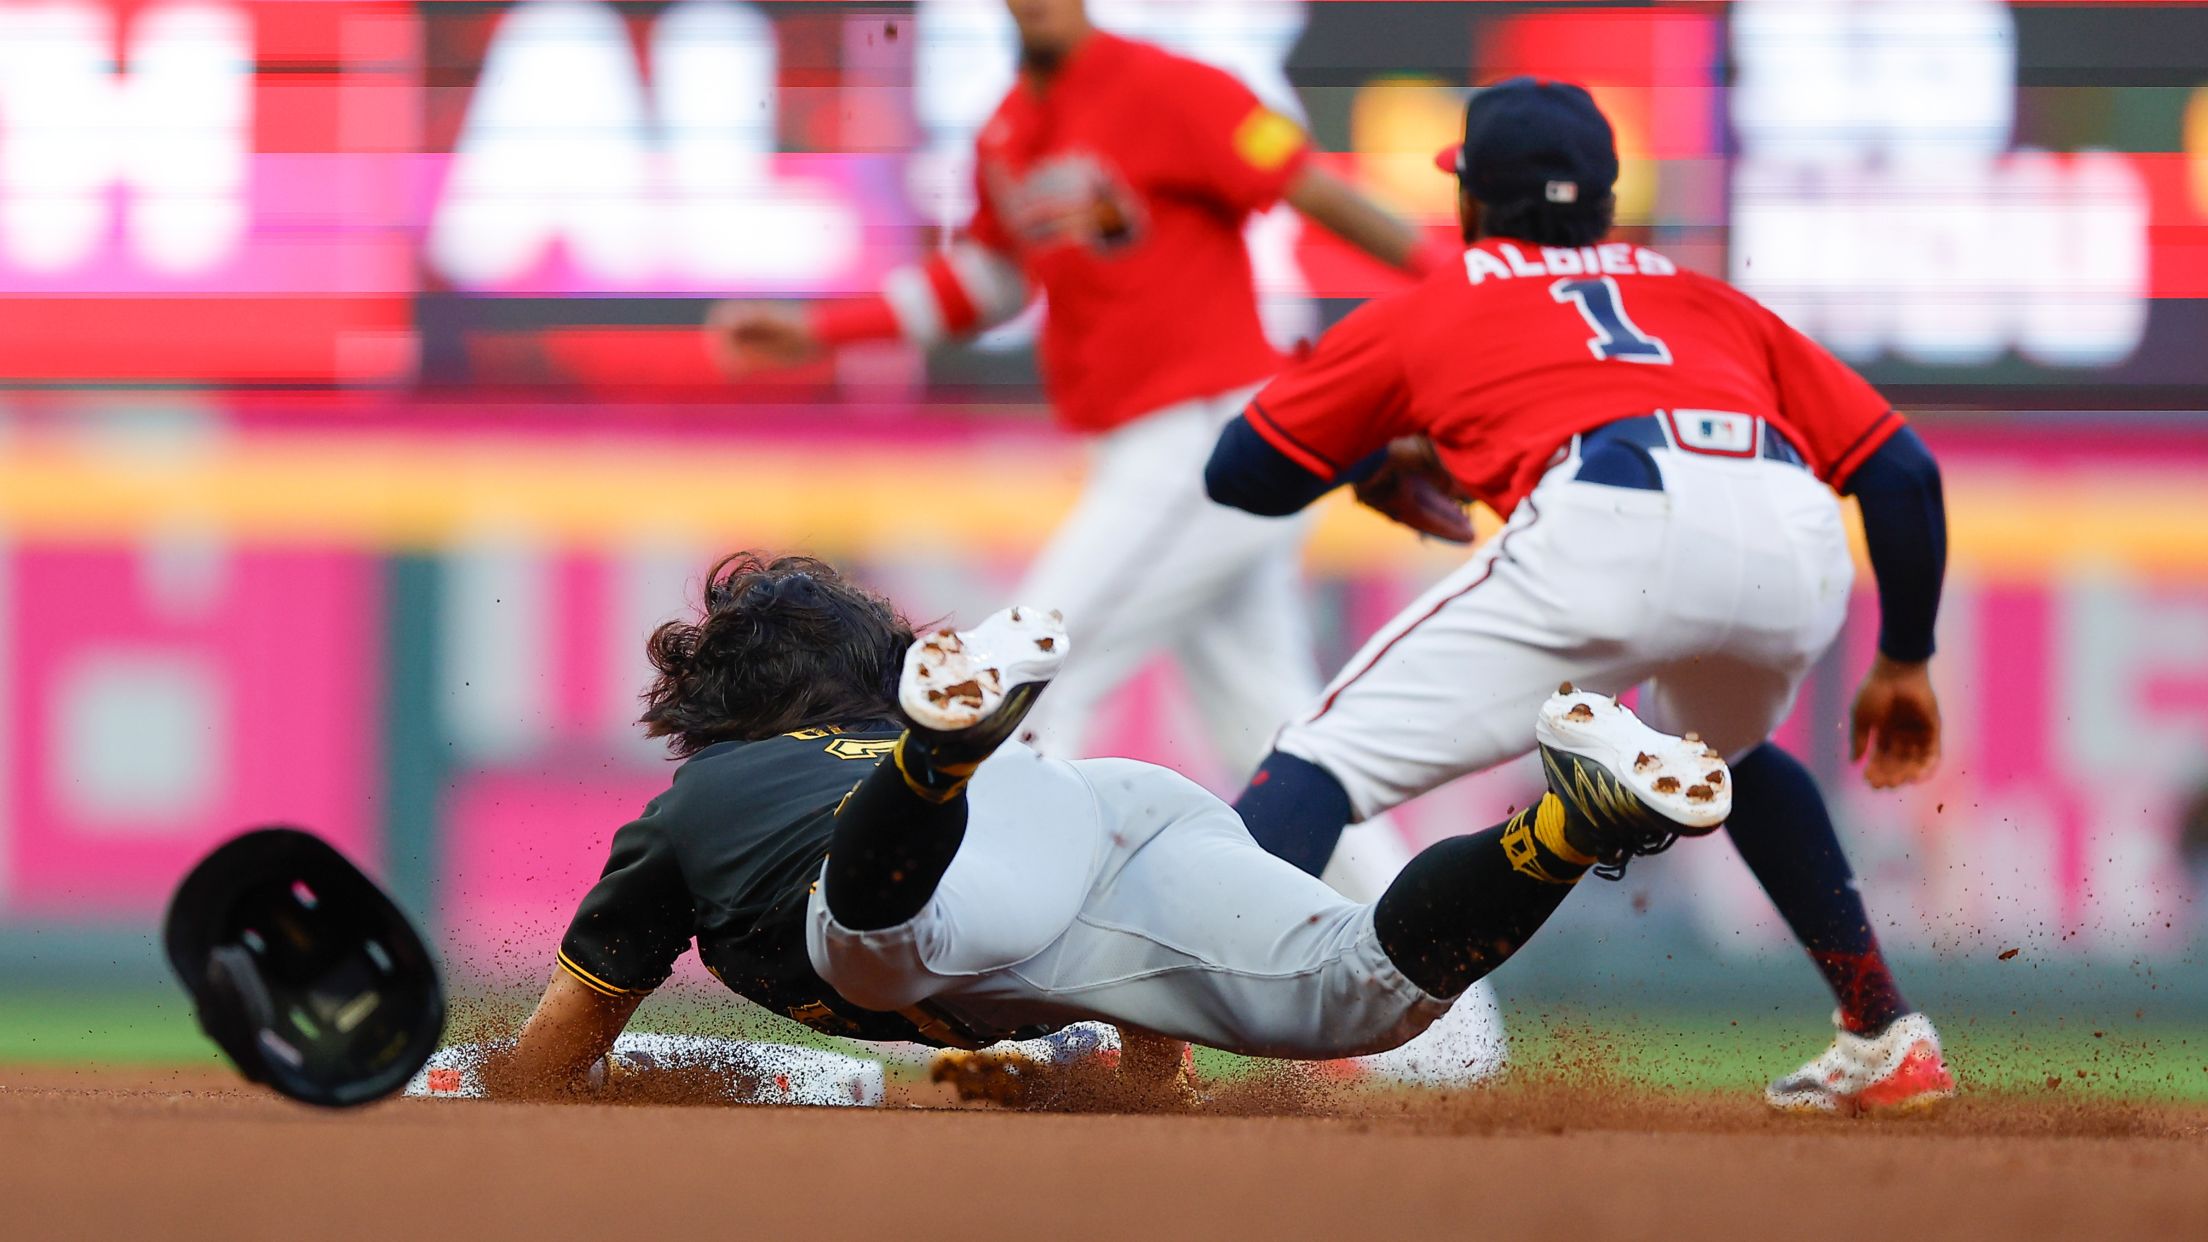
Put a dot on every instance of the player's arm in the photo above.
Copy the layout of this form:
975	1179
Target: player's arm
622	944
1347	212
1897	715
969	287
1404	480
966	289
1317	425
1340	416
1238	151
1864	449
570	1031
1246	472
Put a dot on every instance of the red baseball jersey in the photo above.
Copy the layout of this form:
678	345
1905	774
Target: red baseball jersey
1121	188
1504	358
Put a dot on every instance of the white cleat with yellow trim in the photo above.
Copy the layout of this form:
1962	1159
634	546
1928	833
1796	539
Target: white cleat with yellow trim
1627	789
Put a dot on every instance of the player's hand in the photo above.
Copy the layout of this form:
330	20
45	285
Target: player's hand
1897	723
750	337
1413	488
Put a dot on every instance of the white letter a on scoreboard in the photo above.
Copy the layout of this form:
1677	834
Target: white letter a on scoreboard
556	147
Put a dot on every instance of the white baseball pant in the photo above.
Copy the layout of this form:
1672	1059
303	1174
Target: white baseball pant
1720	592
1147	563
1118	891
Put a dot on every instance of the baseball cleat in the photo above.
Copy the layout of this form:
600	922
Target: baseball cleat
1627	789
1897	1070
1022	1072
966	692
986	677
1087	1059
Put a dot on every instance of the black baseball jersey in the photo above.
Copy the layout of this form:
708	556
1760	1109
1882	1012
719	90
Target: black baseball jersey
727	857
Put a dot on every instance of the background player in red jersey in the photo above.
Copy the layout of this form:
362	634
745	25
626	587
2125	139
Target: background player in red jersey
1116	179
1665	451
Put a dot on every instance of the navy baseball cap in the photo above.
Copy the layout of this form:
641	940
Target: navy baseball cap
1529	138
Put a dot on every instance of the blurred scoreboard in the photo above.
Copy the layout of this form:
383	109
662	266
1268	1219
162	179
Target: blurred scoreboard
1991	201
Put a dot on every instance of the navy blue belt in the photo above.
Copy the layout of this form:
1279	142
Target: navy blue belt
1619	454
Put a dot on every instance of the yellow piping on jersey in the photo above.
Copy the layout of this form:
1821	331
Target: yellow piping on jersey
589	980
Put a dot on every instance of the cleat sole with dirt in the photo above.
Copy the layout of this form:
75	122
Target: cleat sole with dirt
1678	778
954	679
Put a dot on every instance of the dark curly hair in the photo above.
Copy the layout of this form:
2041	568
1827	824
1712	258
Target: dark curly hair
1550	224
781	645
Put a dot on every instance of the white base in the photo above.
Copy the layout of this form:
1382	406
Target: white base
757	1073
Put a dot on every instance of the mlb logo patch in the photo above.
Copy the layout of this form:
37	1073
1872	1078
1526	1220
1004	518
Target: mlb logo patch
1713	431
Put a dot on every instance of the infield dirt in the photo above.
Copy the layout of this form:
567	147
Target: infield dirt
194	1154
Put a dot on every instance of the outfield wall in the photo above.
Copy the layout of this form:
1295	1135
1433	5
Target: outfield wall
422	637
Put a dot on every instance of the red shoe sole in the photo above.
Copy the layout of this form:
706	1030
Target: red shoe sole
1920	1081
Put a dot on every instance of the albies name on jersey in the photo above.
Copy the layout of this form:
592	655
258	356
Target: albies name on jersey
1608	259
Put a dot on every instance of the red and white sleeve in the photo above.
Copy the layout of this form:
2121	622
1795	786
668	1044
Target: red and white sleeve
969	287
1327	411
963	290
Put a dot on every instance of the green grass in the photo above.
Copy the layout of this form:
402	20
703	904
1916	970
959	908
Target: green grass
2126	1057
103	1028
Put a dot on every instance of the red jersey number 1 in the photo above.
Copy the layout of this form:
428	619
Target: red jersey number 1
1603	307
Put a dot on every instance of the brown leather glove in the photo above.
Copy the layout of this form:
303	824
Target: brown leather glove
1413	488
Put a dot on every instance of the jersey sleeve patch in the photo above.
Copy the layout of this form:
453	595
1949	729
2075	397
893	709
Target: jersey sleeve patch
1266	140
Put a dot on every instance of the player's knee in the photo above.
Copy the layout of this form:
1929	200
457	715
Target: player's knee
884	970
1296	809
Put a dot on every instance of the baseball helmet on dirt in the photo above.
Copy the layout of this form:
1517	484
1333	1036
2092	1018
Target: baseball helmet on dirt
303	971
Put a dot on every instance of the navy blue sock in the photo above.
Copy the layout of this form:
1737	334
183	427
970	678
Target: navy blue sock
1296	810
1782	830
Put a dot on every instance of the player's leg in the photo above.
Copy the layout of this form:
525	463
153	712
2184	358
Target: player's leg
1200	935
1248	665
1466	1045
1783	830
1798	575
1886	1054
935	870
898	830
1450	685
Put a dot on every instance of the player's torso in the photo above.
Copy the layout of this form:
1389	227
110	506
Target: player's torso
1147	277
752	823
1525	346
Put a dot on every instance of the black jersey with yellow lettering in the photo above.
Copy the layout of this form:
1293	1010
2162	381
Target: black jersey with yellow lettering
727	857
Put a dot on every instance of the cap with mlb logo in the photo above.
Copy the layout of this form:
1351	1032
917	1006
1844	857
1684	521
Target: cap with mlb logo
1529	138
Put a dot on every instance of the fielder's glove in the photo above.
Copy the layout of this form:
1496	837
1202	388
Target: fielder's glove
1414	489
